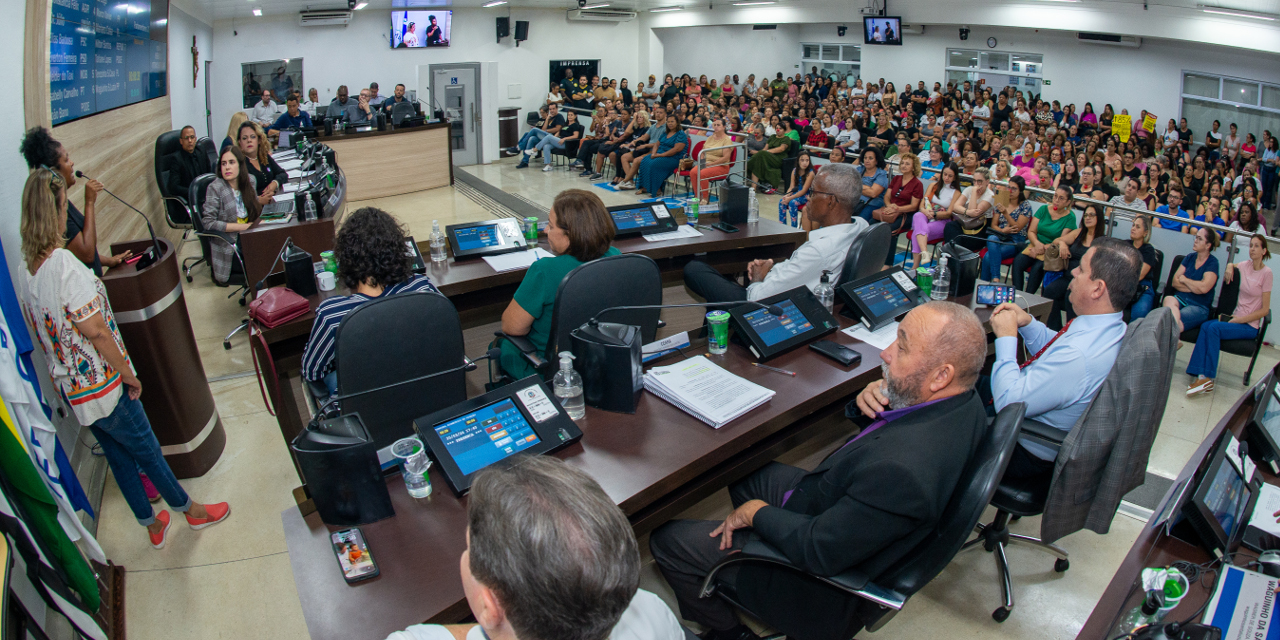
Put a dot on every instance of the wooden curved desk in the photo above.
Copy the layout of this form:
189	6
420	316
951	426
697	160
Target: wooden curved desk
396	161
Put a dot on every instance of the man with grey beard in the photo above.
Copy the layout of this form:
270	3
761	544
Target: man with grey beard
869	503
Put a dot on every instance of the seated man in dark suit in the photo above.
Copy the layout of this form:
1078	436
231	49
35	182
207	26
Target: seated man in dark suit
184	164
869	503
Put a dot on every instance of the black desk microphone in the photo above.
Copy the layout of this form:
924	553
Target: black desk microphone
145	261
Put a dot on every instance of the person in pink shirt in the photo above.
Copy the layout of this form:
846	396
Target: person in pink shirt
1251	307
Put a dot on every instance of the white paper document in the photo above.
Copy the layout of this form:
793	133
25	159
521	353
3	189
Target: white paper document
685	231
290	165
289	187
1268	503
706	391
880	338
517	259
281	197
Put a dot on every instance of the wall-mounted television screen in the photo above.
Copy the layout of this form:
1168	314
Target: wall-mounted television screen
882	30
416	29
106	54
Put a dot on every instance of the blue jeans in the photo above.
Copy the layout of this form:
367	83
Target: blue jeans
1145	302
545	145
997	252
1192	314
1204	359
791	209
331	382
531	139
870	206
129	445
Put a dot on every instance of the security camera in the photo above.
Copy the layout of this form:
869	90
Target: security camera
582	3
840	30
964	33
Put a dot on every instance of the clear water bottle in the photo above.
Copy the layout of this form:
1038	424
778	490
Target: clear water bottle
691	211
1145	614
824	292
309	210
438	253
753	207
568	387
941	280
414	466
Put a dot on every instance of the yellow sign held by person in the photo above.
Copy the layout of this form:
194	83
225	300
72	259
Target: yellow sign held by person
1122	126
1149	123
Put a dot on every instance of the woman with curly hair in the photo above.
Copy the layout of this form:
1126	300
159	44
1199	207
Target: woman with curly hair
371	263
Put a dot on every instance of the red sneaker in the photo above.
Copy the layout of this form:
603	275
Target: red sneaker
217	513
153	494
158	539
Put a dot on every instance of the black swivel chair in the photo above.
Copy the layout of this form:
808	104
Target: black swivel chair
856	602
612	281
867	253
195	195
401	111
393	339
1228	298
177	210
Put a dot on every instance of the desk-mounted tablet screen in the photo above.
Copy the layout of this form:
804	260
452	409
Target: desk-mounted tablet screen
880	298
1218	510
520	418
642	219
803	320
485	238
1263	431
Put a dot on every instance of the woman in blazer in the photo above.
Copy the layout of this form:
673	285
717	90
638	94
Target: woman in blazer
230	206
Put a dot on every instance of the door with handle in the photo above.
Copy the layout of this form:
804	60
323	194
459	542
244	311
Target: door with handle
456	89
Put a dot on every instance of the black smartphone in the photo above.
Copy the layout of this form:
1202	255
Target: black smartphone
994	294
353	555
725	227
838	352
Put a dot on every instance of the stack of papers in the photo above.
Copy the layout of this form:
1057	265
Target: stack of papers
517	260
685	231
705	391
290	164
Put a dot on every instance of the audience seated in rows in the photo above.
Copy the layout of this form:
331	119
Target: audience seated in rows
1194	280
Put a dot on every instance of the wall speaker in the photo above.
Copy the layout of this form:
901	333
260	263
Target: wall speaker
522	31
504	27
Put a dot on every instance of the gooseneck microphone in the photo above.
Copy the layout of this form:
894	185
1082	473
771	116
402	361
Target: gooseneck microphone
144	261
773	309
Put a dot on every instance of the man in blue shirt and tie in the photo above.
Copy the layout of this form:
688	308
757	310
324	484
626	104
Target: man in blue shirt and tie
1060	380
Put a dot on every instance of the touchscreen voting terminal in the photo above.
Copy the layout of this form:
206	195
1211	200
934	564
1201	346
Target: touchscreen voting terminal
1219	509
1263	431
642	219
520	418
879	299
487	238
803	320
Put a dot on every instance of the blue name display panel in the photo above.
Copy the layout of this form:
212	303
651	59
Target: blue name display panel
486	436
105	54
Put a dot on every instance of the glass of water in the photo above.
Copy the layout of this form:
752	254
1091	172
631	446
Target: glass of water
415	464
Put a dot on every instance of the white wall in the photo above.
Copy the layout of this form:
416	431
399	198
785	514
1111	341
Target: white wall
359	54
728	49
186	103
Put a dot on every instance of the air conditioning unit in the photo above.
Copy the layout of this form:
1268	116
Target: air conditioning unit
913	29
1109	39
601	15
324	18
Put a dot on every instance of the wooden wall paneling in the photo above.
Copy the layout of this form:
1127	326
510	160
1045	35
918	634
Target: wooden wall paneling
35	73
393	164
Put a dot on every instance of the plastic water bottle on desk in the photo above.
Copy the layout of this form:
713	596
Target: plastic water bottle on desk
415	465
941	280
309	211
824	292
753	207
568	387
691	211
438	253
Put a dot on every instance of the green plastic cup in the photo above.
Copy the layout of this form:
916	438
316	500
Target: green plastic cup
924	280
717	332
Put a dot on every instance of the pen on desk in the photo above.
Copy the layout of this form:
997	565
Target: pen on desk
765	366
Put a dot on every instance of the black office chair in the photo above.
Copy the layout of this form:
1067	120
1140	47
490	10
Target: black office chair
867	253
854	601
613	281
1228	298
401	111
176	212
195	195
569	152
393	339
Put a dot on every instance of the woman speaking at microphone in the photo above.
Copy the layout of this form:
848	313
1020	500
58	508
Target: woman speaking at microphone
68	309
39	149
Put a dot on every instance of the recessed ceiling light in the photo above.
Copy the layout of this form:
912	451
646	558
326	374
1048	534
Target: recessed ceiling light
360	6
1061	0
749	4
595	6
1237	13
662	9
494	3
257	11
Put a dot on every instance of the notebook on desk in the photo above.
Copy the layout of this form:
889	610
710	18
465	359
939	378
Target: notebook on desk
706	391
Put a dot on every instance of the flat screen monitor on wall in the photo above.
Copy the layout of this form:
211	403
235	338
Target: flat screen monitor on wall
417	29
105	54
882	30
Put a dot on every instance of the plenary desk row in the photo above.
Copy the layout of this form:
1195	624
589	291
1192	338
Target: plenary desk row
655	464
480	294
260	245
396	161
1155	548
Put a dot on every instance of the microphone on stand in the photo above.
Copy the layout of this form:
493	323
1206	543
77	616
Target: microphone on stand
144	261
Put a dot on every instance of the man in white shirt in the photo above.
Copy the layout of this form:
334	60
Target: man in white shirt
265	112
549	555
831	201
312	103
1065	370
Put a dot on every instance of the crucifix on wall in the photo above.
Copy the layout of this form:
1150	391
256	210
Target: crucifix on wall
195	62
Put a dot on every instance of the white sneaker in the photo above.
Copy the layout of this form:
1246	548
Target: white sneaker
625	186
1204	387
546	168
530	152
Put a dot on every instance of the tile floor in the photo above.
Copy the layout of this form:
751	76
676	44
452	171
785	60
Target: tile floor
234	581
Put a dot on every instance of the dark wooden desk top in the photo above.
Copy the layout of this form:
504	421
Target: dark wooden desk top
638	459
1154	548
390	131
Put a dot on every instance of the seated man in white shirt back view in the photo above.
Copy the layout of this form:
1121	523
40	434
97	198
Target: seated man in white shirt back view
550	557
831	200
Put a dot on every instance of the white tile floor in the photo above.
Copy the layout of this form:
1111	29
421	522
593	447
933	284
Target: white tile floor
234	581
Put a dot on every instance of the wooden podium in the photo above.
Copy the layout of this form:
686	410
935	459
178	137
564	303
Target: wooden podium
151	313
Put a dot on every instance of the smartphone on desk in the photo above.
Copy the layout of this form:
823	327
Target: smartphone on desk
725	227
992	295
353	555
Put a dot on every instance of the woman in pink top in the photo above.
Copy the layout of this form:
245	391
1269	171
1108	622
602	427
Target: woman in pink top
1253	304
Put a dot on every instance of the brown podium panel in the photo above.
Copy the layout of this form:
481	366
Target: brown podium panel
151	314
